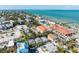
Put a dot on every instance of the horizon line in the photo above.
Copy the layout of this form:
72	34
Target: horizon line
39	7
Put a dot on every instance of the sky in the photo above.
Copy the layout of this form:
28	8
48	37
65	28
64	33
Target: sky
53	7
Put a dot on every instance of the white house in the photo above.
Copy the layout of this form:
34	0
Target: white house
10	43
51	47
48	48
19	27
44	39
17	34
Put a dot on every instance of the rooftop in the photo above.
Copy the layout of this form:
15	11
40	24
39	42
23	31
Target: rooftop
51	36
61	29
43	28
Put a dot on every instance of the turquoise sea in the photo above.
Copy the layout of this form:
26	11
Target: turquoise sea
58	15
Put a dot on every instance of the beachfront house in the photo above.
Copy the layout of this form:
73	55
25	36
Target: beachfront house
37	17
50	21
43	22
61	30
27	16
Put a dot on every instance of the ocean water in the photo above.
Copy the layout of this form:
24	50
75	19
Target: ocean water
58	15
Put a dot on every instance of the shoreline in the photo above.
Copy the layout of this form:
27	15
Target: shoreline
59	20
